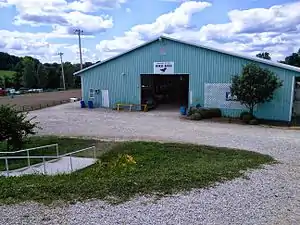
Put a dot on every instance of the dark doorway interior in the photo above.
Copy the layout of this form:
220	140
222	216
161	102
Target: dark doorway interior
165	91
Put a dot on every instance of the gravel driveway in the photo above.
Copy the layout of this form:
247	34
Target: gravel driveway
270	196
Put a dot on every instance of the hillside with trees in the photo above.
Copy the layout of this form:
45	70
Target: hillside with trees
28	72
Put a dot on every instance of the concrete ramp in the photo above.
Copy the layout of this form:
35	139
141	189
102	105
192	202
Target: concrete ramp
53	167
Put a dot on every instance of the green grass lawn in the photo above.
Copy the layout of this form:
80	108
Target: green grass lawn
65	145
6	73
135	168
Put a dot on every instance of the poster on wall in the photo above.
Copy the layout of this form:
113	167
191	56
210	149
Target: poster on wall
218	95
163	67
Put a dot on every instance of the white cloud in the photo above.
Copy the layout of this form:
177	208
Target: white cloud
174	1
61	15
37	6
94	5
279	18
173	21
5	34
39	45
128	10
275	29
168	23
89	23
87	54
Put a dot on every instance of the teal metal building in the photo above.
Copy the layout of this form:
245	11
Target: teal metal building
206	70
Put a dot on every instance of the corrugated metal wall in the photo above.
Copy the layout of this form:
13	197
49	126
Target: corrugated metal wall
121	76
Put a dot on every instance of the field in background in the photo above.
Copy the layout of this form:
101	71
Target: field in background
6	73
36	101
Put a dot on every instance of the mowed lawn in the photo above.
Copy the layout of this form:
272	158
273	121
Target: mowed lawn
6	73
136	168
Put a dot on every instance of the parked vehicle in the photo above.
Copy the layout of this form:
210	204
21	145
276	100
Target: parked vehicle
10	91
23	90
39	90
2	92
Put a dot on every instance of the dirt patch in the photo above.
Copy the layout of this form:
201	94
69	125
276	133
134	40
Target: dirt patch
36	101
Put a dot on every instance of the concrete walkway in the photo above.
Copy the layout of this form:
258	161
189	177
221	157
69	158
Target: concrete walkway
53	167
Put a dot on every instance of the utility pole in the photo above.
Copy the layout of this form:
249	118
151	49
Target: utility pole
62	69
79	32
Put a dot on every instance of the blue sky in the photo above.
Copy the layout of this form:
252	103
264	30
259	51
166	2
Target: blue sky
42	28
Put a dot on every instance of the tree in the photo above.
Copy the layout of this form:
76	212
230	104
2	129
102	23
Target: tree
53	75
69	69
293	60
42	77
18	77
254	86
264	55
7	61
15	127
29	72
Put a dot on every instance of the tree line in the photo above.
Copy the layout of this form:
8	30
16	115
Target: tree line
29	72
292	60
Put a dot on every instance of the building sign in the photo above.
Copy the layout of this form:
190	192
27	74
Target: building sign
163	67
218	95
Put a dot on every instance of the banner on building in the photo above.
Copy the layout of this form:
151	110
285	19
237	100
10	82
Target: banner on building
163	67
218	95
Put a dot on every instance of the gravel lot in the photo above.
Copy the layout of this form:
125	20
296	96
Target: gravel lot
270	196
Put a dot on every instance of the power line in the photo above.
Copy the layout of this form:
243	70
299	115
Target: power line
62	69
79	32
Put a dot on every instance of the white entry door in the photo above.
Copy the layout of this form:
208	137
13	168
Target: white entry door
105	98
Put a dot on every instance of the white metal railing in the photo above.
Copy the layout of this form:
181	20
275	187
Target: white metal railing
6	158
31	149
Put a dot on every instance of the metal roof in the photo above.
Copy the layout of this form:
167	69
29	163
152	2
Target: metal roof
256	59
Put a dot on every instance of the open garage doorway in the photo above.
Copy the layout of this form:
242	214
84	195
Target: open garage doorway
165	92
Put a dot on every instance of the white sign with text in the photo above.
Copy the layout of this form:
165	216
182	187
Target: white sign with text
163	67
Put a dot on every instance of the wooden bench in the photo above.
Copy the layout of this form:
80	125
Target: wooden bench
122	105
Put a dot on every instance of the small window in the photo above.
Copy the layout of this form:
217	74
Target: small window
91	94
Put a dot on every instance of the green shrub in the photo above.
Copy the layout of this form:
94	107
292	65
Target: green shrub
244	113
191	111
215	112
247	118
15	127
253	122
196	116
210	113
205	112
